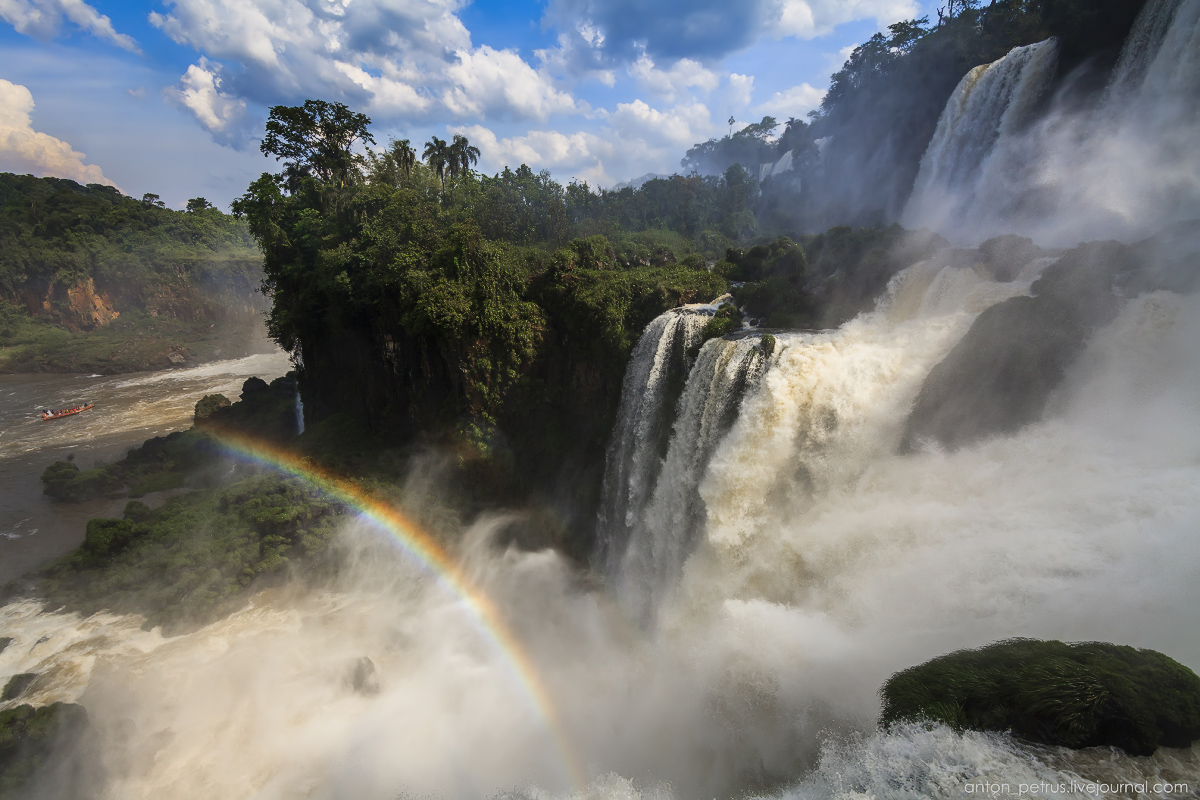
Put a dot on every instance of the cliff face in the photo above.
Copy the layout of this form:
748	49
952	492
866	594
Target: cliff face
77	307
92	280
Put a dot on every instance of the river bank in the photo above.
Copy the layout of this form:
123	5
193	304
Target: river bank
129	409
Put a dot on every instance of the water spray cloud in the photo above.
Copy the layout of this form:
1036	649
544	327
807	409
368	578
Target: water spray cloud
422	546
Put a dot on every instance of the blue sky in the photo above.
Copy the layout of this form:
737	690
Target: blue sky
170	97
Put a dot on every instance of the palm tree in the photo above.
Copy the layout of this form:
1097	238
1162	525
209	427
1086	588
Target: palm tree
463	154
437	155
405	156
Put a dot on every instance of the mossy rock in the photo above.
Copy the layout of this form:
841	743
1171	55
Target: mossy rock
62	480
38	748
1087	694
17	685
210	403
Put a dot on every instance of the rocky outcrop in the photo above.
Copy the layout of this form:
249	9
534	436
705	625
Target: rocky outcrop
77	307
1000	375
1088	694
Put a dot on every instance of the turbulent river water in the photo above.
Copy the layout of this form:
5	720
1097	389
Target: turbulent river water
804	562
129	409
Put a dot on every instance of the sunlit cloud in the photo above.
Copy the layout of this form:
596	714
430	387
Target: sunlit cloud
43	19
24	150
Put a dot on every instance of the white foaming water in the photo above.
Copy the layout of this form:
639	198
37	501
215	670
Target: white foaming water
1122	170
644	415
823	562
992	101
661	534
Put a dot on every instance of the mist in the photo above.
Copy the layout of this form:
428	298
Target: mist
1007	158
775	540
823	561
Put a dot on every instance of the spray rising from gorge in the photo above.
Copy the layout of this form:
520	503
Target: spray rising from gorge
776	538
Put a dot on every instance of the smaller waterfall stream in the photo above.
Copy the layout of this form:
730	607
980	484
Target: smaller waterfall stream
663	534
1124	168
990	102
644	417
299	413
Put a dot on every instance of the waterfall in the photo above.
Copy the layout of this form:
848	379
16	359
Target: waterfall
757	431
1141	49
299	413
648	392
991	101
1122	169
663	534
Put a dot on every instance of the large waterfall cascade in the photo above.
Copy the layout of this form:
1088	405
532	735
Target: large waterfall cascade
997	163
990	102
755	429
758	515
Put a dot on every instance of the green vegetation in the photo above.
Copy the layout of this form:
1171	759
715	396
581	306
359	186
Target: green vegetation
134	342
93	280
194	557
29	738
183	458
1074	695
210	403
882	107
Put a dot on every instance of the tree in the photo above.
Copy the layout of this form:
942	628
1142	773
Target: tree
151	199
198	204
404	155
463	154
315	141
437	156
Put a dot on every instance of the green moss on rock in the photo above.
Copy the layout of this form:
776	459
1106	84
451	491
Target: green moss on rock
1073	695
210	403
62	480
34	742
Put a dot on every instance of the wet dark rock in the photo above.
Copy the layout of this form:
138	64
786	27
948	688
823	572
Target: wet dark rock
1087	694
17	685
1004	256
363	677
999	377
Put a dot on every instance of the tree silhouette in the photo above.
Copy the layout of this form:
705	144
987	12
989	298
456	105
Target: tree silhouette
463	154
405	156
315	141
437	156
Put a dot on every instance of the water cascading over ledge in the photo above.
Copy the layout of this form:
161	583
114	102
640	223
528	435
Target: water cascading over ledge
653	380
761	427
1004	160
991	101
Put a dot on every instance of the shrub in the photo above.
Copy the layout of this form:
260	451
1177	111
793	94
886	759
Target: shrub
1073	695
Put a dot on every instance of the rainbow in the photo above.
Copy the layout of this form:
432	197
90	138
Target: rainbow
422	546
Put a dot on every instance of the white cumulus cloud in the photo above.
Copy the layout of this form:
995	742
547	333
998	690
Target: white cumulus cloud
200	92
633	139
674	81
794	102
43	19
24	150
807	19
393	58
497	84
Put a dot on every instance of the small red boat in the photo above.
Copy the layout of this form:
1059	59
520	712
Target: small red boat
66	412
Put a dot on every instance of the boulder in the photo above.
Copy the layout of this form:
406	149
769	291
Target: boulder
998	378
1086	694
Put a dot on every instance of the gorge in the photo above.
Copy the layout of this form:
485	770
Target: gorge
752	527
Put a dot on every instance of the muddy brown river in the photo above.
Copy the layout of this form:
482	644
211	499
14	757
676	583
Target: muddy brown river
129	409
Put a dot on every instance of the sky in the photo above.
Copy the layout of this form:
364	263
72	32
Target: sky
171	96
